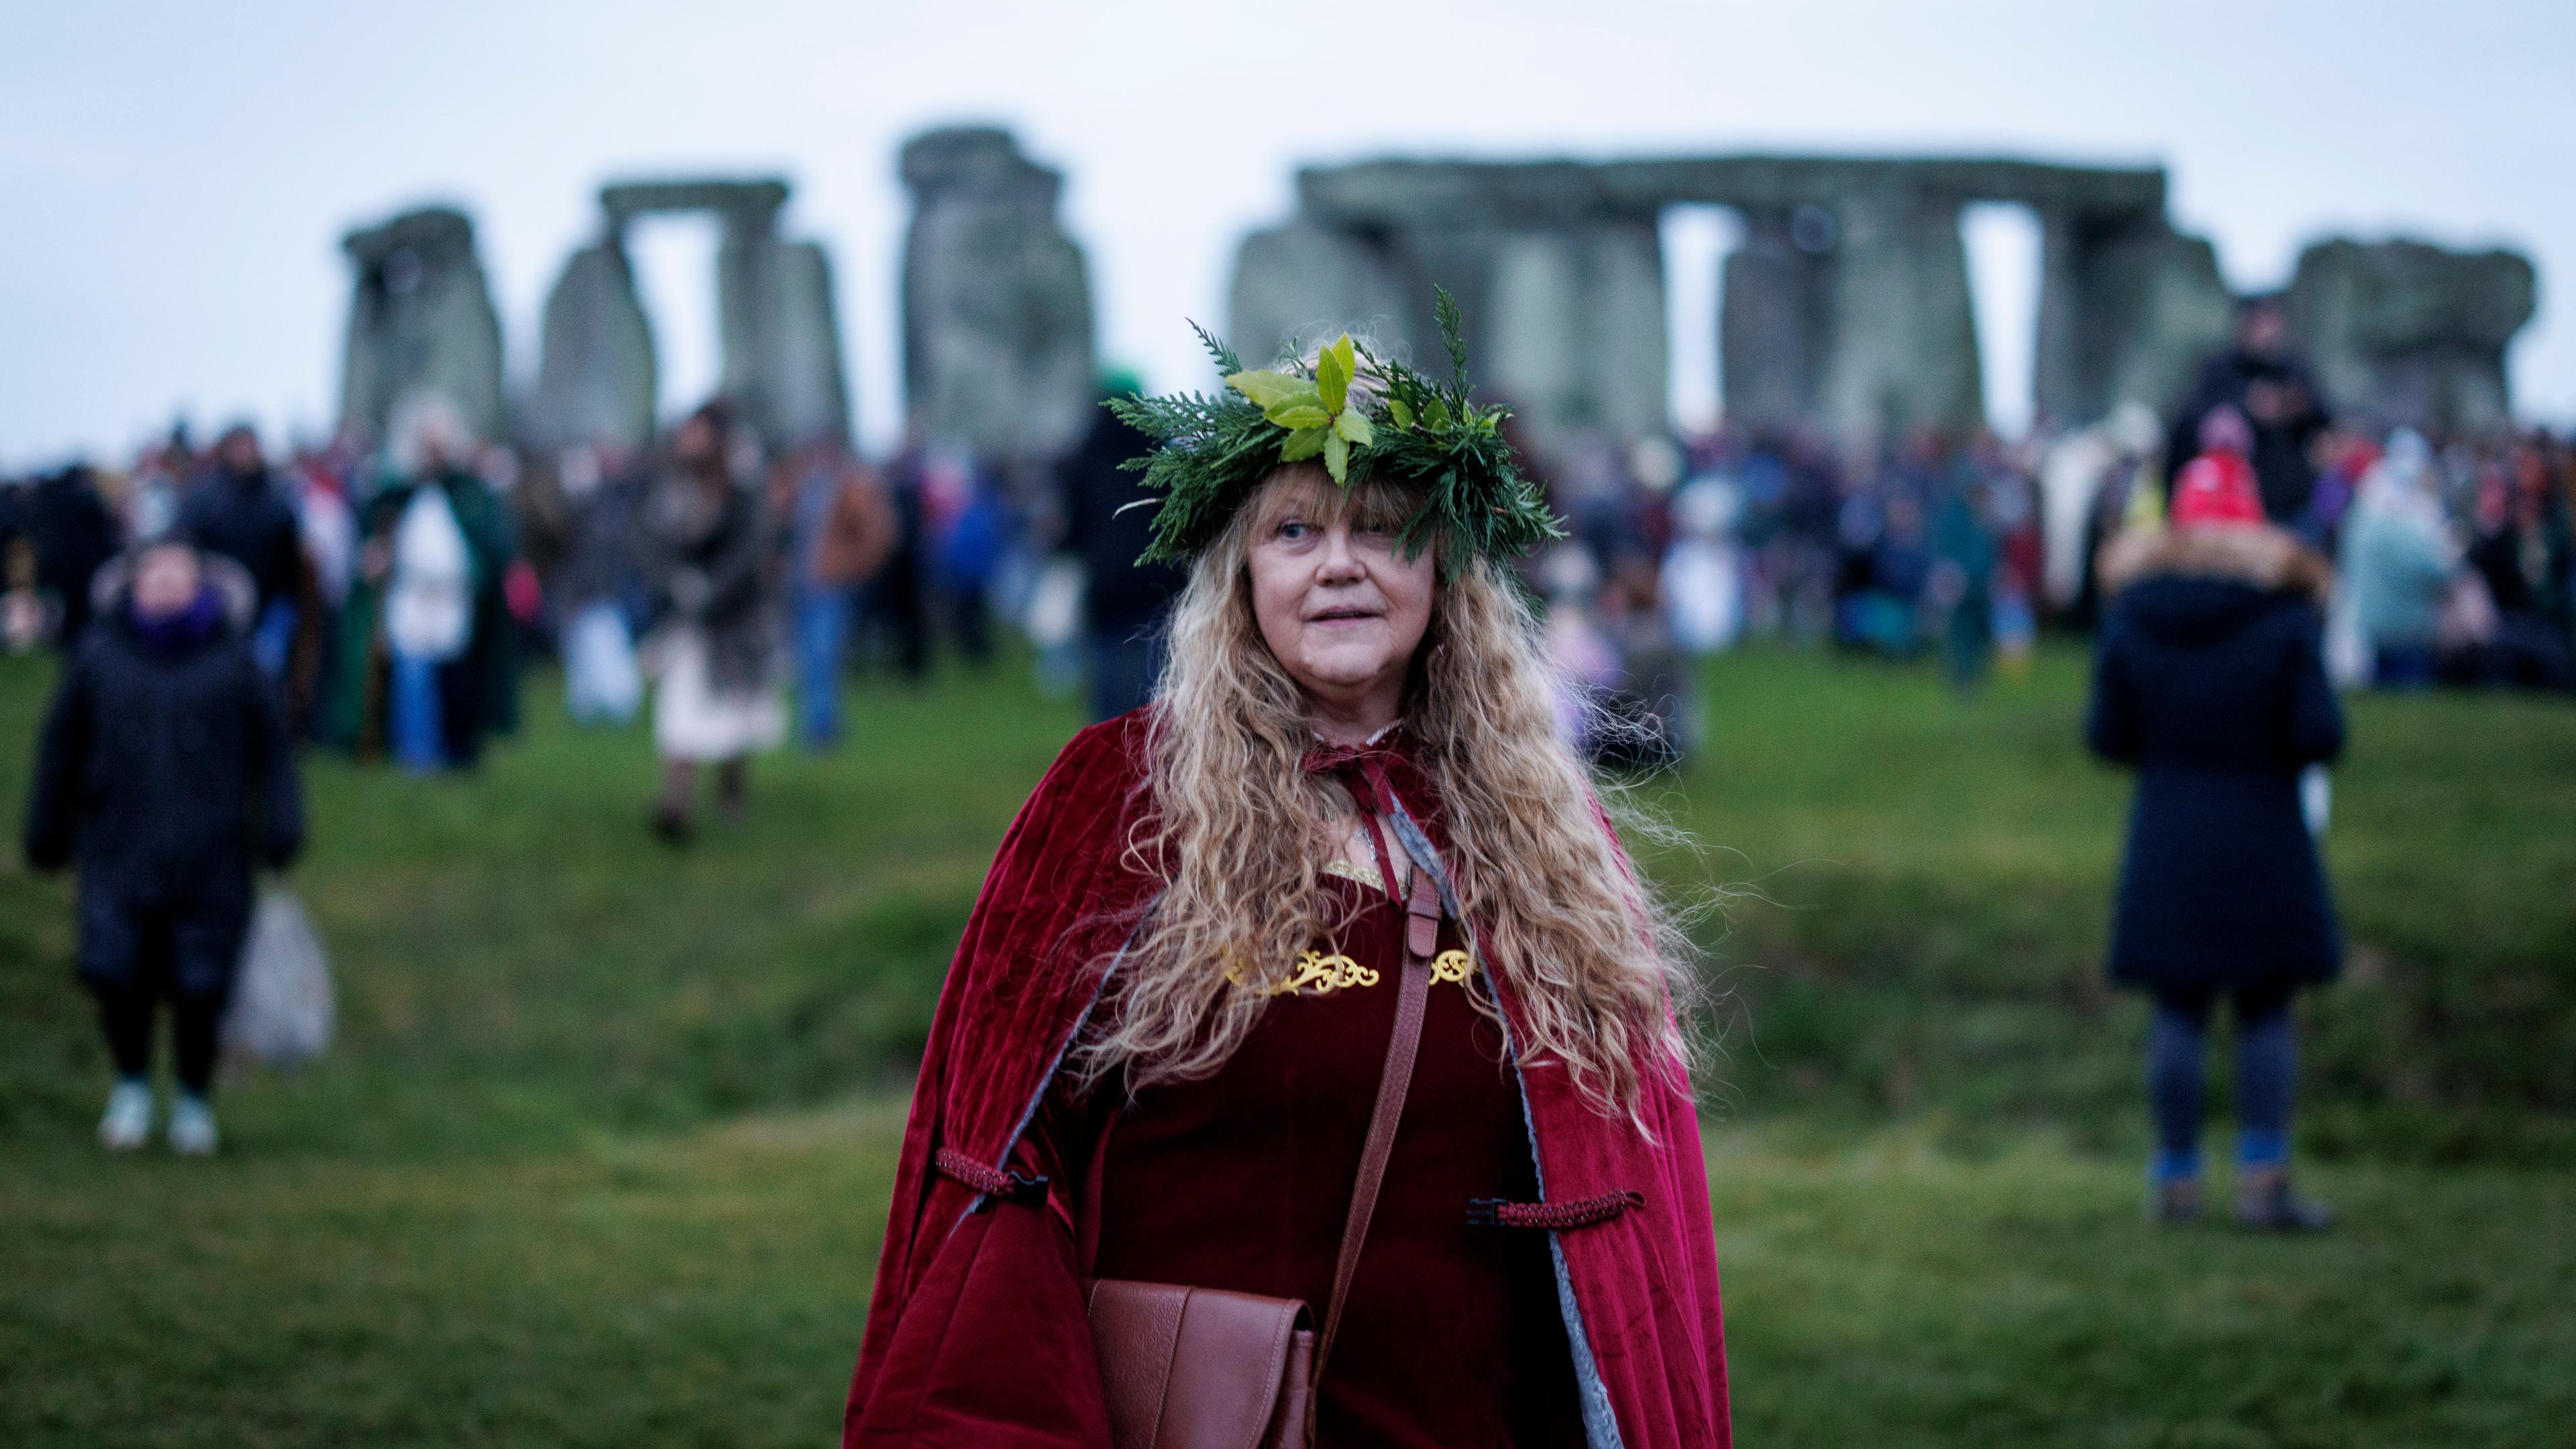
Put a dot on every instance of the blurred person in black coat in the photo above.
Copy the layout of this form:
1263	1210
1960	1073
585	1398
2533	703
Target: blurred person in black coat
2259	376
1124	602
242	512
164	773
67	523
2210	679
896	602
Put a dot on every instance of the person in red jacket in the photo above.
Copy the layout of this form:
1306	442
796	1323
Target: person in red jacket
1155	1055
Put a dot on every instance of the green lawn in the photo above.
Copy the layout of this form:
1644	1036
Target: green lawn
601	1155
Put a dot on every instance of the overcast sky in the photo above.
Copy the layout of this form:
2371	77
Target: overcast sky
174	177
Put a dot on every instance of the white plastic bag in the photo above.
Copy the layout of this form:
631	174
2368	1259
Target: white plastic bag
281	1008
601	683
1054	615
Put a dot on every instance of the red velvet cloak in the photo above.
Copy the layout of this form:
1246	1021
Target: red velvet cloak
976	1333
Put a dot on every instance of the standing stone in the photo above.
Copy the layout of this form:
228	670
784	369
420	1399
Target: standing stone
2181	315
1574	333
1301	284
595	376
1904	348
1560	289
1775	318
802	395
2402	333
997	327
420	320
2127	309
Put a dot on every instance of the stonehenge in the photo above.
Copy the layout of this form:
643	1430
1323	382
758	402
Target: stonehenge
1846	308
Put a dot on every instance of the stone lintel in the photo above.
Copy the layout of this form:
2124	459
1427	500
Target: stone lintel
983	162
1395	193
747	205
436	230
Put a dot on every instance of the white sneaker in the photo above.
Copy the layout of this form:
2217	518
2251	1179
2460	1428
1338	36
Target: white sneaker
128	1120
192	1127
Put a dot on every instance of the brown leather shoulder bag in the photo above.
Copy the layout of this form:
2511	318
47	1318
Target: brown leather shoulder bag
1200	1368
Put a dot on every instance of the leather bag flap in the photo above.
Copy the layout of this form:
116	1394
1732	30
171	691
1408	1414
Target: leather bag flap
1192	1368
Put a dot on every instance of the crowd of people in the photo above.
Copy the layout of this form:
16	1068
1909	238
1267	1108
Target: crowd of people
381	595
398	587
2455	561
218	609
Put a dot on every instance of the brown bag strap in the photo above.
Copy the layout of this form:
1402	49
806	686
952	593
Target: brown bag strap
1412	1003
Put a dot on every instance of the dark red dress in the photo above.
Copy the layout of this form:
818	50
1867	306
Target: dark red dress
1454	1336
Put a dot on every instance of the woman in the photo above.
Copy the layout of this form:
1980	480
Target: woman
2211	681
716	701
428	665
1154	1056
164	775
2398	563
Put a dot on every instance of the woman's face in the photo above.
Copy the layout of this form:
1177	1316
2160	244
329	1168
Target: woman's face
1339	604
165	582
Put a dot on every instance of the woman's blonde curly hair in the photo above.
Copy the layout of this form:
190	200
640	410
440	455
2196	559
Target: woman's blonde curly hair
1240	830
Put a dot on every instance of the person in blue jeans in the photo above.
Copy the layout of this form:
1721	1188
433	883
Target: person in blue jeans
2210	679
840	527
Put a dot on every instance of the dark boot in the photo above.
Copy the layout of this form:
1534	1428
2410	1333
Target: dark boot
733	787
2177	1202
2266	1202
671	822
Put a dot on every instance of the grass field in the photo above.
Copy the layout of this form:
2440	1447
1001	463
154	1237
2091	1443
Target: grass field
601	1155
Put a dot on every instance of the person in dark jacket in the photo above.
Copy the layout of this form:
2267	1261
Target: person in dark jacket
715	698
1123	601
2260	377
242	512
73	534
2210	680
896	603
164	773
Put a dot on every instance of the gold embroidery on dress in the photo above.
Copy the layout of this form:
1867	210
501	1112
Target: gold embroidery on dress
1365	872
1325	974
1321	975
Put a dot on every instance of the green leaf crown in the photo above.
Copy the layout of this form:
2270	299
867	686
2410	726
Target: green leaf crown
1211	452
